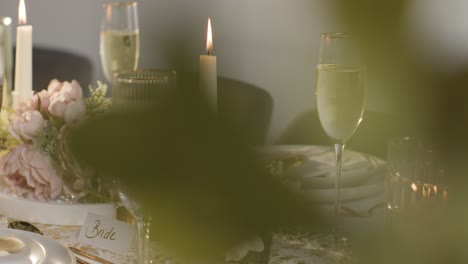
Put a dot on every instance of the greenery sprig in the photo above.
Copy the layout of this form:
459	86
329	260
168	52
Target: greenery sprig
97	102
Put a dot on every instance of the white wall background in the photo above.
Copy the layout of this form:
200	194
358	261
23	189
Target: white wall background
269	43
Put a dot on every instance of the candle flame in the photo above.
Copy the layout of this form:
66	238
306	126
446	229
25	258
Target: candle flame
414	187
22	13
209	38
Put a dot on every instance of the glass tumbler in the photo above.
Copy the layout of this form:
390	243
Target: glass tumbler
142	88
132	90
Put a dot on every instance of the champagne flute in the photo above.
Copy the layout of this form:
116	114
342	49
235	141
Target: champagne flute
340	93
119	38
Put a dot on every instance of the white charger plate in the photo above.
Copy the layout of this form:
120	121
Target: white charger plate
38	249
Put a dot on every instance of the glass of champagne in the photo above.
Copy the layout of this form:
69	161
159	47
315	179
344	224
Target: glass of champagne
119	38
340	93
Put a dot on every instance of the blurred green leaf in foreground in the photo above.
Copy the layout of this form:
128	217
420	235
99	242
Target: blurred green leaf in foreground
203	188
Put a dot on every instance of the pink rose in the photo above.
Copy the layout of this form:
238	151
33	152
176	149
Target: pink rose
67	102
28	105
30	174
38	102
26	125
54	87
41	101
68	91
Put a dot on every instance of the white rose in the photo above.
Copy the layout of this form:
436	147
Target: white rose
27	125
74	111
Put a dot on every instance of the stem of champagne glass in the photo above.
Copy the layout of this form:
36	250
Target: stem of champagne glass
339	147
143	226
140	242
143	237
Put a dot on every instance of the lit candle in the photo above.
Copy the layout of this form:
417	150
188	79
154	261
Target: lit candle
208	74
23	61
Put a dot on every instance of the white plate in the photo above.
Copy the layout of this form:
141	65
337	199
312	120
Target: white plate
51	213
362	174
37	250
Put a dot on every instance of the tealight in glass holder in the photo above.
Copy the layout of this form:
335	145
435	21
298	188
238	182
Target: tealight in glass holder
415	181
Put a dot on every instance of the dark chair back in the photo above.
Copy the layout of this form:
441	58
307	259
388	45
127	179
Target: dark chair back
244	108
51	64
371	137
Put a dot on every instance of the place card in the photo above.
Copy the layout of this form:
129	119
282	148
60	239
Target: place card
107	233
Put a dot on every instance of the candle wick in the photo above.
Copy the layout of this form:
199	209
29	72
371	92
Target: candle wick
208	52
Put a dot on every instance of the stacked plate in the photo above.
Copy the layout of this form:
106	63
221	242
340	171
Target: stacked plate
312	172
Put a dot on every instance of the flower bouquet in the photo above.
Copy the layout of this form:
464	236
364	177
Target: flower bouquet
38	164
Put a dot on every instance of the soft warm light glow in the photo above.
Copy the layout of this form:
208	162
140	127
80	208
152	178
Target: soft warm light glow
209	38
109	14
426	192
7	21
414	187
22	13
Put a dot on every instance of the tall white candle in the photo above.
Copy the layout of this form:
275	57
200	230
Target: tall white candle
7	61
208	71
23	61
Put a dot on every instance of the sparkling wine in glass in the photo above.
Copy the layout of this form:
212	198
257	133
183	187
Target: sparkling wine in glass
340	93
119	38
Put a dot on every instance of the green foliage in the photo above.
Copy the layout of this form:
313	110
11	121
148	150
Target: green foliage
45	140
97	102
7	141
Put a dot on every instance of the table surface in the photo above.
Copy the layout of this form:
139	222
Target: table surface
287	247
